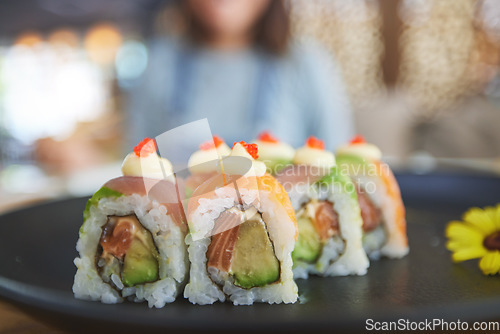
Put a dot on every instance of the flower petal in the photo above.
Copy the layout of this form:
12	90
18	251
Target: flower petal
469	253
490	263
495	216
481	220
459	231
455	245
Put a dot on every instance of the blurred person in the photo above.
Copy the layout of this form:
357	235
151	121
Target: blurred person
235	64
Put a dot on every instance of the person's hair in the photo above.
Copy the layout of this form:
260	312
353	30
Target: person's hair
271	31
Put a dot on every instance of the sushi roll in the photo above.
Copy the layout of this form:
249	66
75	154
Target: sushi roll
242	231
273	152
131	243
382	209
328	215
203	163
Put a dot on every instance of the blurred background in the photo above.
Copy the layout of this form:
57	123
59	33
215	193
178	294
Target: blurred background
421	79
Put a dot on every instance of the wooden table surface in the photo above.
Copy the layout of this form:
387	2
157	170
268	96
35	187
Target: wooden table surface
15	320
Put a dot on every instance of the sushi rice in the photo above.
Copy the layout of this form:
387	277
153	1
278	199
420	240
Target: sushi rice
207	287
169	241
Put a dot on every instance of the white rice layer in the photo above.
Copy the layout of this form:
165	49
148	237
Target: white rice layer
201	289
341	255
168	238
373	242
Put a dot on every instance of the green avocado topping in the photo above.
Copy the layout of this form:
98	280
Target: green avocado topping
354	165
351	159
340	180
276	165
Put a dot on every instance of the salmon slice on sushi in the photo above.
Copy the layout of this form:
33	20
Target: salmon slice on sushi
382	208
328	215
242	231
131	244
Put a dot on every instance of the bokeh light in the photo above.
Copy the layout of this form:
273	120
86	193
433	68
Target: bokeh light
46	93
65	36
29	39
131	61
102	42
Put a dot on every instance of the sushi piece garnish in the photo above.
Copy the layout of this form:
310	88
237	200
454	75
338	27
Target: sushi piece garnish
210	144
203	163
313	142
358	139
252	149
313	153
273	152
145	148
267	137
145	162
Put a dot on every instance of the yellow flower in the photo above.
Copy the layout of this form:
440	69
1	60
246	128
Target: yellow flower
477	236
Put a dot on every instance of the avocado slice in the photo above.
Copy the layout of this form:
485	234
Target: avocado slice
351	159
339	180
276	165
140	264
355	166
254	263
308	245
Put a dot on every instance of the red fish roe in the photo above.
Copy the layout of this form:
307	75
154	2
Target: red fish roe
252	149
358	139
267	137
314	142
210	144
145	148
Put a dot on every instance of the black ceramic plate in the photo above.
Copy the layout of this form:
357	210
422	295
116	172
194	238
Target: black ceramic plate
37	248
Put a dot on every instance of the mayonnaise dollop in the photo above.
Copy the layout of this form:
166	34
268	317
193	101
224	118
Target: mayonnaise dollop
234	165
363	150
149	166
274	151
314	157
206	161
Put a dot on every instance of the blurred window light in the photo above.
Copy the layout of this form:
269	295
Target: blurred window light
490	13
29	39
352	32
102	42
354	10
64	37
485	64
415	12
436	52
45	95
131	61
